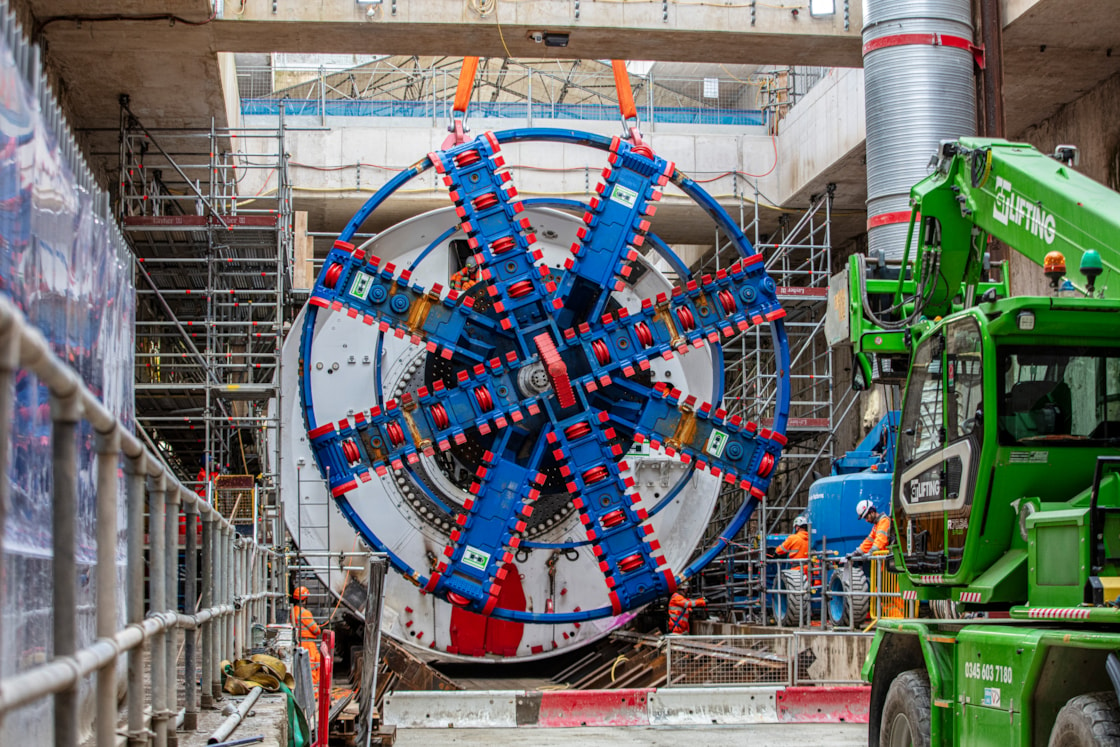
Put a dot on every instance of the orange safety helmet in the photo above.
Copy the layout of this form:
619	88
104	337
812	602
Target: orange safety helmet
301	594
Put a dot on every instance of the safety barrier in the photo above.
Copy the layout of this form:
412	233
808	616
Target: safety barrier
729	660
886	599
238	577
380	89
498	110
880	598
683	706
782	659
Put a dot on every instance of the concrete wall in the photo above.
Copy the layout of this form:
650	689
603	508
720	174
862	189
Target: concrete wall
820	141
827	126
1092	123
338	168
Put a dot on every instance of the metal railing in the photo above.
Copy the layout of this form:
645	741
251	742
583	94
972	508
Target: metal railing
780	659
886	598
237	576
515	91
745	586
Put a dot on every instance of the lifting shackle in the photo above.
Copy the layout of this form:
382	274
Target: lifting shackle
458	125
627	108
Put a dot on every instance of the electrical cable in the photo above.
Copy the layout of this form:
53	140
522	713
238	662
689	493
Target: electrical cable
483	7
81	18
498	23
919	298
774	142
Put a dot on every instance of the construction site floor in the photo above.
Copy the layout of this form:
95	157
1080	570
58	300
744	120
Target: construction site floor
757	735
269	718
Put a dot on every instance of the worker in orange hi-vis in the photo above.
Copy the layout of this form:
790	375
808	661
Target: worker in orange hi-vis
307	629
679	608
880	535
797	544
465	277
206	474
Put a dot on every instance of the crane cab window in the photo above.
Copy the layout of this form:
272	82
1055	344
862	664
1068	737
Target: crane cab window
1064	396
938	447
922	413
963	380
943	397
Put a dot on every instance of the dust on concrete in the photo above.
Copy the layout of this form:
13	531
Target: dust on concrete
756	735
268	717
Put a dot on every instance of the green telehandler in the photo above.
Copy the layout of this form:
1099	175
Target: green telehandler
1006	490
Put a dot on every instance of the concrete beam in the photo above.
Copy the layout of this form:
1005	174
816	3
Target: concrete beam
676	31
1055	51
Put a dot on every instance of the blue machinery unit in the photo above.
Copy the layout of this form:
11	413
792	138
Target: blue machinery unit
835	530
863	472
542	383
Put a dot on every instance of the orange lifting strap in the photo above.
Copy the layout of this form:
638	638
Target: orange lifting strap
466	82
629	111
625	95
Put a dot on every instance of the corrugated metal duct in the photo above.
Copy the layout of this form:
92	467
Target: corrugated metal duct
918	62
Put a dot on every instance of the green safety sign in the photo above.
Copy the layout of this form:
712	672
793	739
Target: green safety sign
624	195
716	443
476	558
361	285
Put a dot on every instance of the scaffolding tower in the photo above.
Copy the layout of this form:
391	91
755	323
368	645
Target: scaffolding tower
214	273
798	257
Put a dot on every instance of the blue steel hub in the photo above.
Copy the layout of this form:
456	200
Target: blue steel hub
569	436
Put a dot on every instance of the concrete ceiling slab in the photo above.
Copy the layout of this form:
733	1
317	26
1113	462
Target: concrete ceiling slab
195	10
1054	50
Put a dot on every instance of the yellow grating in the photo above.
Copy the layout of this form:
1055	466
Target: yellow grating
233	497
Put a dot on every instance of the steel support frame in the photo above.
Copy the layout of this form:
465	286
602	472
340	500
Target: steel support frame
217	278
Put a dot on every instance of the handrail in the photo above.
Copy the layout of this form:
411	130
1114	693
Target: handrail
239	585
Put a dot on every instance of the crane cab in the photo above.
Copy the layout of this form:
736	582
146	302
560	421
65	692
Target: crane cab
1008	406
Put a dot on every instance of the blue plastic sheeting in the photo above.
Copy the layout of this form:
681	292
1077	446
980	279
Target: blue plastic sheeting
496	110
67	268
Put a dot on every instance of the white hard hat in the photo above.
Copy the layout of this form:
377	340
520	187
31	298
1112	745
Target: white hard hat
864	507
800	521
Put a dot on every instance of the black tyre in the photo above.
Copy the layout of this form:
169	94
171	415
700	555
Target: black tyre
906	711
1092	719
793	608
841	607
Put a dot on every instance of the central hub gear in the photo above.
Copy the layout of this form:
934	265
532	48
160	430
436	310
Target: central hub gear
533	379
